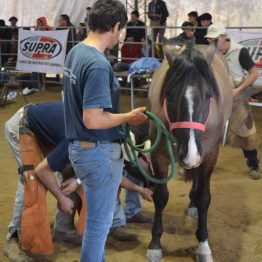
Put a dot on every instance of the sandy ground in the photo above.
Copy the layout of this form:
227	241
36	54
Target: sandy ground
235	214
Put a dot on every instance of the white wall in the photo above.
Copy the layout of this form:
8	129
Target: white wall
229	12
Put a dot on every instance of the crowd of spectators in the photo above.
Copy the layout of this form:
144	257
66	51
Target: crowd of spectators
139	40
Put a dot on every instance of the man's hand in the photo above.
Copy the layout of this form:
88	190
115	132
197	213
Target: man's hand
237	91
137	116
147	193
65	204
69	186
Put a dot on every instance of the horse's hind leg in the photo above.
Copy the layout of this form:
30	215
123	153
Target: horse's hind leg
160	196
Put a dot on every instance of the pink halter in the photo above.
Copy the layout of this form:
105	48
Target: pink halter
185	124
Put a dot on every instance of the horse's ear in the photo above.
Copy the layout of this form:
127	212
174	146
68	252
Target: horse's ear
211	50
169	51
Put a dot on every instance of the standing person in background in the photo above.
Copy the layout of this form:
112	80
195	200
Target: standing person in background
137	33
158	13
88	12
36	78
13	26
82	32
13	21
193	18
93	122
241	121
5	35
42	25
64	22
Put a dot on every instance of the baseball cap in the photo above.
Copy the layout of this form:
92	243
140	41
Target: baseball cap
215	30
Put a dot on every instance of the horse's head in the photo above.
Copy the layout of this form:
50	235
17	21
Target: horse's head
186	93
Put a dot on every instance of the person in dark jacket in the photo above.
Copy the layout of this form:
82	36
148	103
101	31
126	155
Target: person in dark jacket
193	18
158	13
187	35
64	21
205	21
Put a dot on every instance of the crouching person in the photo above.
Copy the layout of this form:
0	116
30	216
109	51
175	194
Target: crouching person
36	136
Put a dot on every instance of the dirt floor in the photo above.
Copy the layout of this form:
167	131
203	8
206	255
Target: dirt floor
235	214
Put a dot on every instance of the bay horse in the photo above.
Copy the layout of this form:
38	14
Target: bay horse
192	93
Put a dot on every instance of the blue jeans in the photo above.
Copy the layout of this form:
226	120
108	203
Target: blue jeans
132	200
132	203
100	171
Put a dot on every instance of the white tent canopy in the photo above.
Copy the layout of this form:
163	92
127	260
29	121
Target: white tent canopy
229	12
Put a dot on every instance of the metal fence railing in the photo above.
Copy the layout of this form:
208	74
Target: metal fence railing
9	47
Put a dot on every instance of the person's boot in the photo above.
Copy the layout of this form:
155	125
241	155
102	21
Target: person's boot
140	218
67	236
14	252
254	173
253	163
119	234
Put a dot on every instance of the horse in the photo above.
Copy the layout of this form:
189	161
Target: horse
192	93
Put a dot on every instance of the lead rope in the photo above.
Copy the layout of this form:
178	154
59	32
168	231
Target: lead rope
132	149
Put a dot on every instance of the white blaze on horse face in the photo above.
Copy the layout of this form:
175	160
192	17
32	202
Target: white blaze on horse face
193	157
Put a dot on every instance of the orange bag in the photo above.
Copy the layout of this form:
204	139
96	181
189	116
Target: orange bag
35	227
82	212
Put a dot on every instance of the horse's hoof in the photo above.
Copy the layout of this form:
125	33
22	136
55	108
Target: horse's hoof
192	212
204	258
154	255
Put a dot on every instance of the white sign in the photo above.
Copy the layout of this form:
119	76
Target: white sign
41	51
253	42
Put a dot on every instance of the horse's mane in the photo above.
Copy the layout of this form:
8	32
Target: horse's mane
189	68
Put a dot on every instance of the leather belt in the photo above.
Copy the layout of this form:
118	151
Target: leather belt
93	144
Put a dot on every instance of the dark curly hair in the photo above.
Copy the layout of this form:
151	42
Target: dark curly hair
105	14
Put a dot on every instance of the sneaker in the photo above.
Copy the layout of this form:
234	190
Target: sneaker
11	96
14	253
140	218
120	235
27	91
254	173
67	236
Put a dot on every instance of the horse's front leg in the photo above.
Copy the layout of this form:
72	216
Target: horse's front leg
160	196
201	196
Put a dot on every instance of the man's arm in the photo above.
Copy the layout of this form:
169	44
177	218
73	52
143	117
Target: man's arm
71	185
97	118
146	193
252	76
46	176
248	64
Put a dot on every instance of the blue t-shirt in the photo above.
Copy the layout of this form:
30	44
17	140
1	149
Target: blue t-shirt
46	121
89	82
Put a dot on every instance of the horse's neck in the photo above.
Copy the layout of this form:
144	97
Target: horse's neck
156	86
225	85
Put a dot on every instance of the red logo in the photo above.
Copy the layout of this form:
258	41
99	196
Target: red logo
40	47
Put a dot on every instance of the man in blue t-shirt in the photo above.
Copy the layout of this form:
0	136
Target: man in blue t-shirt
93	122
47	123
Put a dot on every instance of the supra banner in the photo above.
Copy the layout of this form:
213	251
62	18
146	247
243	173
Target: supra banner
42	51
253	42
